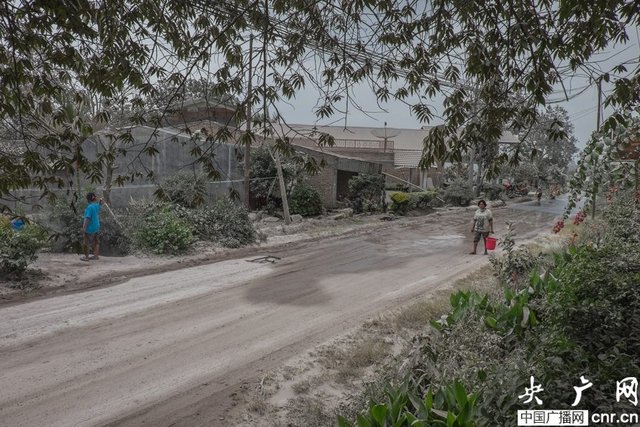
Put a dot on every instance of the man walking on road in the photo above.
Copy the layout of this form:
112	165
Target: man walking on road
482	226
91	227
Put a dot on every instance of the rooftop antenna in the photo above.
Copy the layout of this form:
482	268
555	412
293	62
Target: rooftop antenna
385	134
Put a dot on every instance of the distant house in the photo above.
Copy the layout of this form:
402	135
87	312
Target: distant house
397	151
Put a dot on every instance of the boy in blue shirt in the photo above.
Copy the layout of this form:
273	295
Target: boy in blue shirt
91	227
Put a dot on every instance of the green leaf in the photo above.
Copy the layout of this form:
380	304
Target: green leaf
491	322
343	422
379	413
363	422
461	394
533	320
428	399
451	419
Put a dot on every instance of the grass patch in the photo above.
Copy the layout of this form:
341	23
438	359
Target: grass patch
310	412
417	316
367	353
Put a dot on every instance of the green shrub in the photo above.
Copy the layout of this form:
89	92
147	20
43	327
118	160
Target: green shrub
226	223
162	232
18	249
450	405
458	192
400	203
366	193
516	263
66	226
404	202
305	201
184	189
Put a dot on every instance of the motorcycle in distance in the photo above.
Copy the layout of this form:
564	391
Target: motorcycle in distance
512	191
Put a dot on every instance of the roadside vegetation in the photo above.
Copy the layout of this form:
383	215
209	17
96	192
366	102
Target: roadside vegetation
180	215
19	247
555	316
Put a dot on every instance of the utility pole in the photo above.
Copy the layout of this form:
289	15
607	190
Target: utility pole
283	188
274	153
595	165
247	150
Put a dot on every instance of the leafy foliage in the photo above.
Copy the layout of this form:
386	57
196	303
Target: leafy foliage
456	171
162	232
225	222
366	193
400	202
610	159
404	202
68	71
549	147
458	192
305	200
65	225
450	405
184	189
18	249
576	315
516	262
264	183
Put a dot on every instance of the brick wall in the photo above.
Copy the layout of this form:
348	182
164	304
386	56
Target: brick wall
325	182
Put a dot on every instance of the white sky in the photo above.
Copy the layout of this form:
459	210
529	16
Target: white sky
582	107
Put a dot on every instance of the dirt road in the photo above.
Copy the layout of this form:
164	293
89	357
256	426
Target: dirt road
173	348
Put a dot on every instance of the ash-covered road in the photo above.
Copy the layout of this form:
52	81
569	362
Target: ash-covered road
171	348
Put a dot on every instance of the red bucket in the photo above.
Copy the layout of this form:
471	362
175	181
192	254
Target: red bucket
490	243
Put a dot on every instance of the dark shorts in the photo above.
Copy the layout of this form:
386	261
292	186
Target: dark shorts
480	235
91	239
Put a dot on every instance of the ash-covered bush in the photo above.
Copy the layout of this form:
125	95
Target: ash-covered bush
366	193
492	191
458	192
185	189
65	225
225	222
305	200
19	248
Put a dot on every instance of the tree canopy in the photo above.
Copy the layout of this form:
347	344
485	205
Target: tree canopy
549	145
67	66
